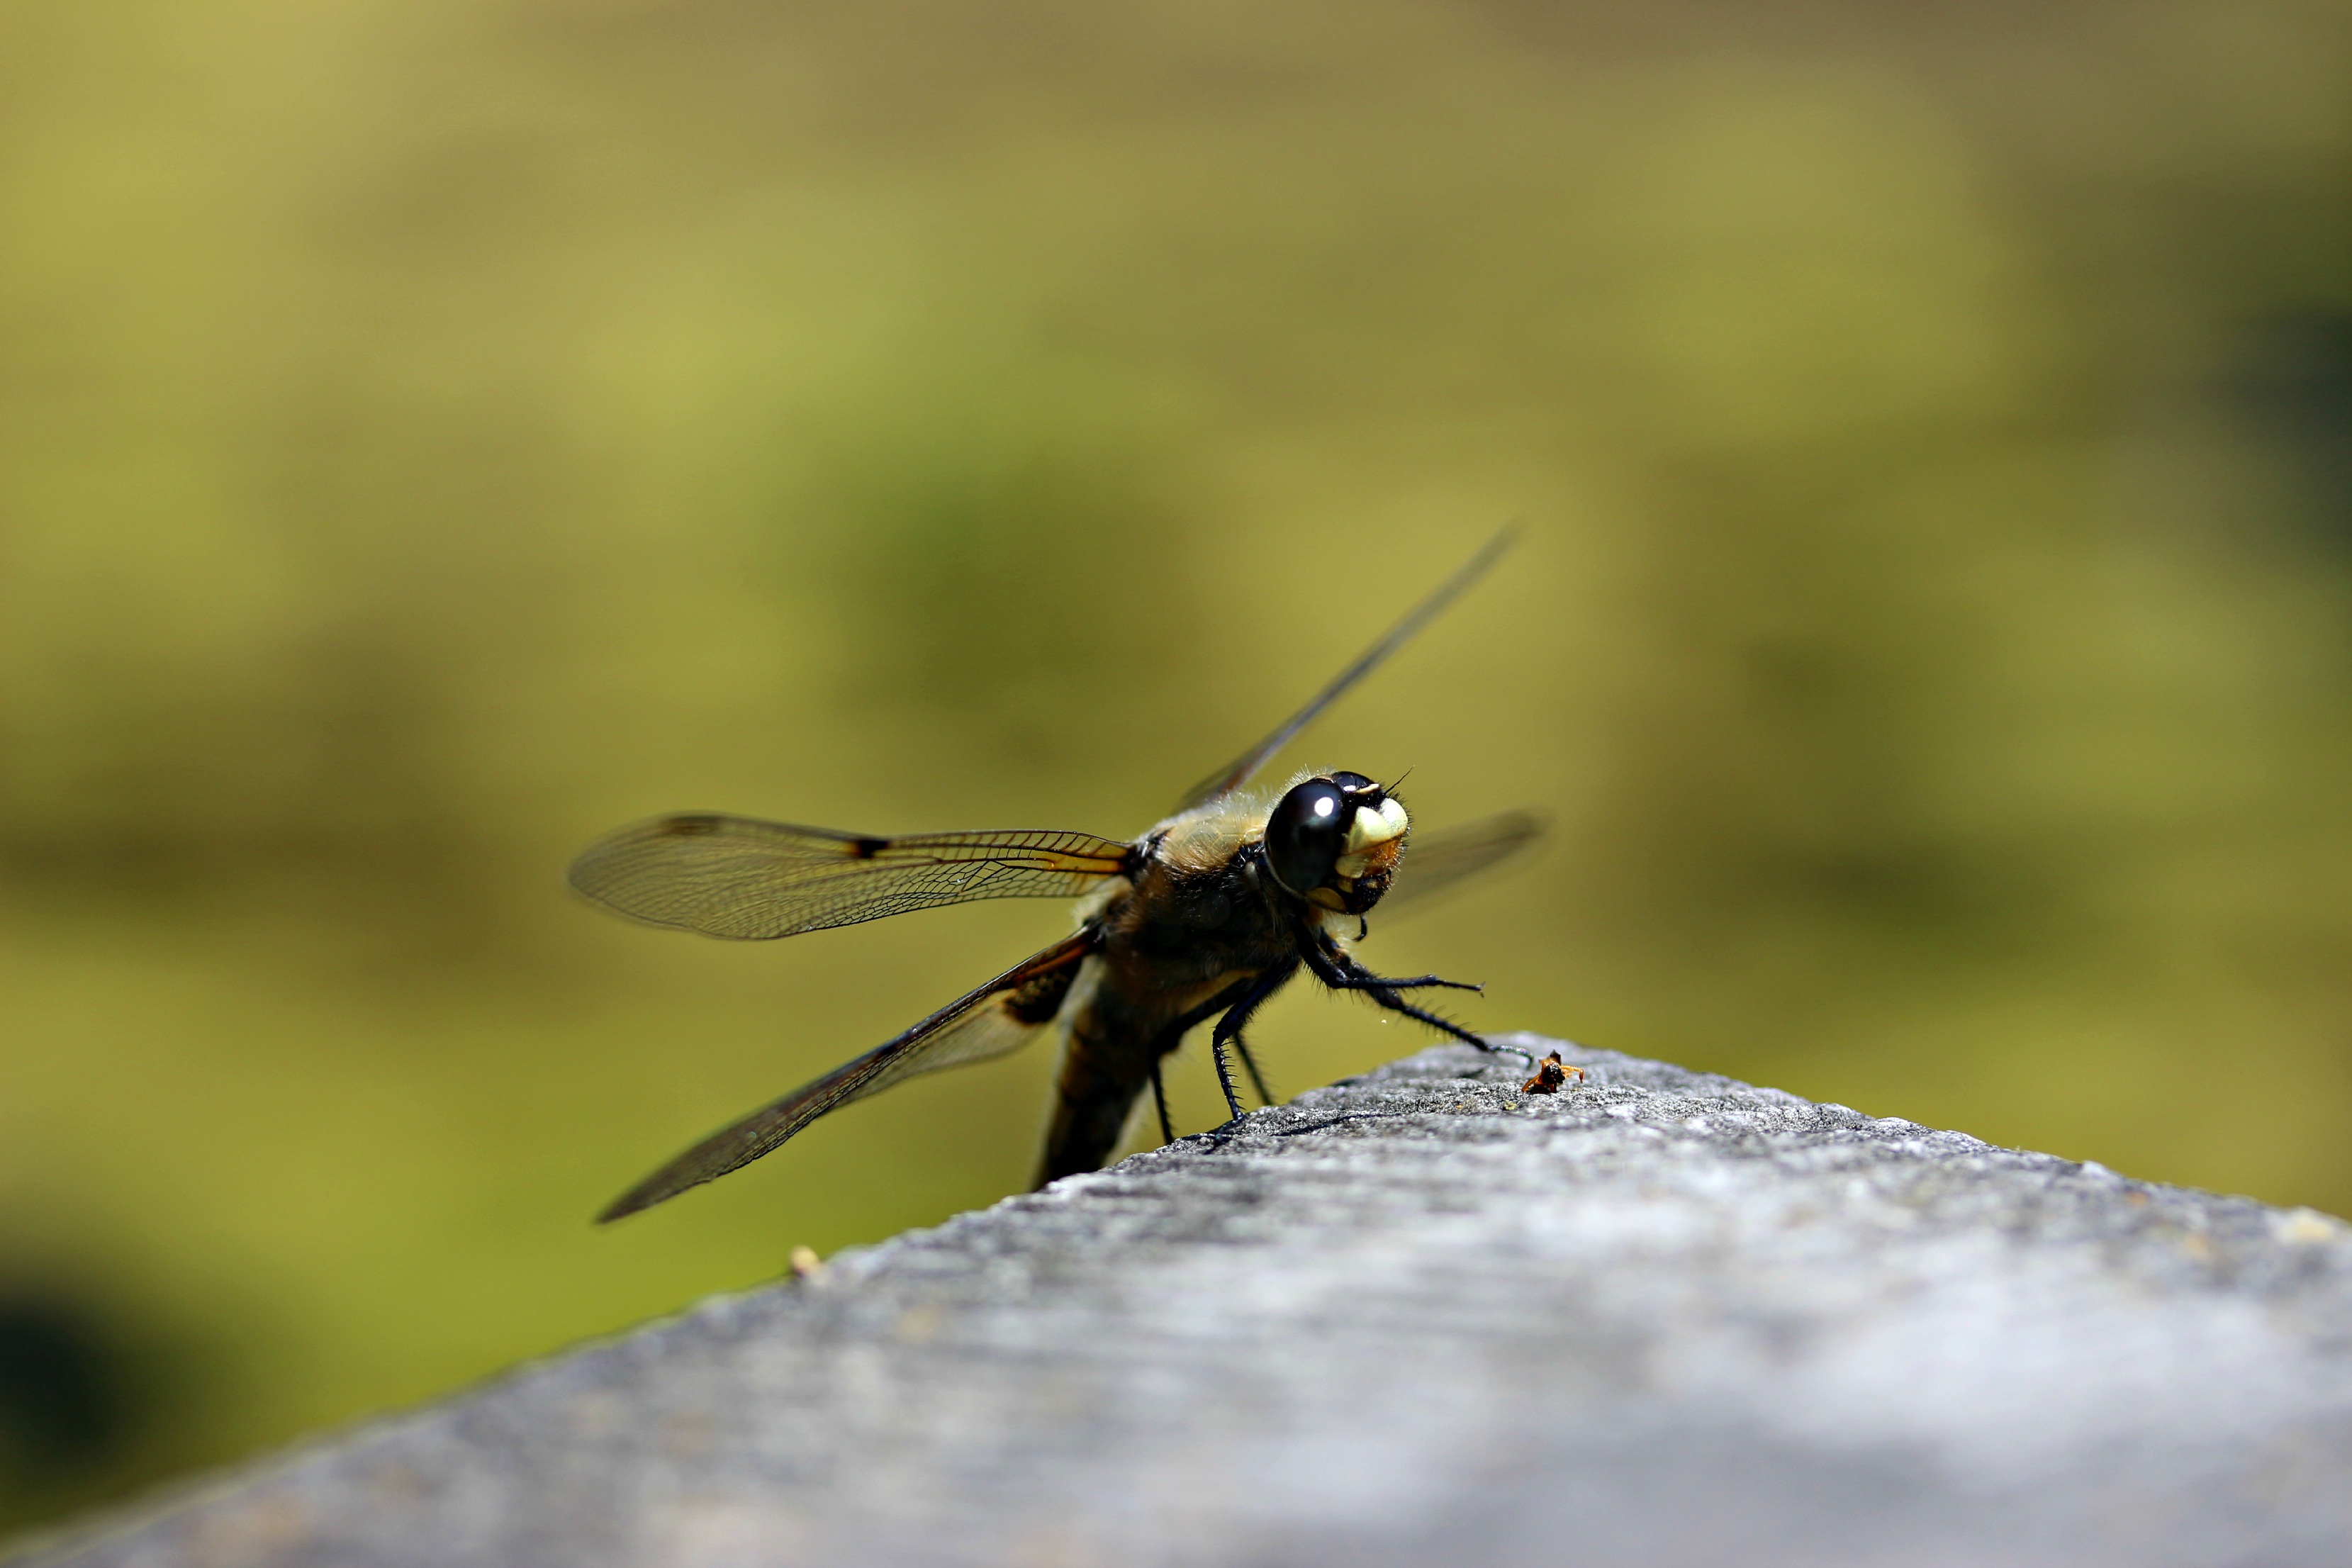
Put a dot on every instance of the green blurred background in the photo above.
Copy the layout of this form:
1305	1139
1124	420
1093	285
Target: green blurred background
434	432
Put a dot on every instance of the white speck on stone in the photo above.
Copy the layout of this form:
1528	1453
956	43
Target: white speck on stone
2307	1227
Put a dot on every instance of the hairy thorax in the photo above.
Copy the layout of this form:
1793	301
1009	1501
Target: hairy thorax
1191	915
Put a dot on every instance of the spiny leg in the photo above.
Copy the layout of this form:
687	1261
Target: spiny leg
1352	978
1160	1099
1228	1032
1397	1004
1172	1036
1224	1076
1249	1066
1341	973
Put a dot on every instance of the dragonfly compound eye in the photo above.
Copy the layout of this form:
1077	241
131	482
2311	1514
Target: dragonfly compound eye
1308	834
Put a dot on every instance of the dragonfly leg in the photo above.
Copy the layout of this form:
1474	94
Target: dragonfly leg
1160	1099
1172	1036
1249	1066
1341	973
1353	979
1225	1075
1228	1031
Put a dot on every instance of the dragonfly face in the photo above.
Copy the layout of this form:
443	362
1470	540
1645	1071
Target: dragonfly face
1205	917
1334	841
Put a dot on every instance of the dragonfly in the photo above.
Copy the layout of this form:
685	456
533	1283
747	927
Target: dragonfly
1205	917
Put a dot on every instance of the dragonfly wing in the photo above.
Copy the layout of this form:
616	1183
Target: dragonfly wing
1437	862
1239	772
753	881
999	1017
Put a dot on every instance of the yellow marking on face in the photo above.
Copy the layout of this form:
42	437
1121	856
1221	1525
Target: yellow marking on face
1380	827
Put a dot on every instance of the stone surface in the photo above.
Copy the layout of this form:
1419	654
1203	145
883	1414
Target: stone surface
1417	1318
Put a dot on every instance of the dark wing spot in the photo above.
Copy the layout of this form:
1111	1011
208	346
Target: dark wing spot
689	826
867	849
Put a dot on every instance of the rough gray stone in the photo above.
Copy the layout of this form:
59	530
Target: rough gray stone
1417	1318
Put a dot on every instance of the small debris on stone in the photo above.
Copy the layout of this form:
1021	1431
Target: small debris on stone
805	1263
1549	1075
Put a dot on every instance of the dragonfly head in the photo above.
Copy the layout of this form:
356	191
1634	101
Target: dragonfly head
1333	840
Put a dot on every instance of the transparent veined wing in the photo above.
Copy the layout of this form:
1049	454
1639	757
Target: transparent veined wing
1008	1012
1443	858
751	881
1240	770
